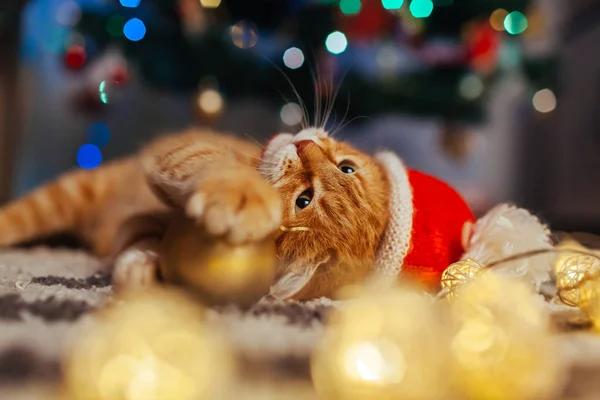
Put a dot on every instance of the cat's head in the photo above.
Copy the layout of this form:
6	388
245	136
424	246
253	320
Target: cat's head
341	196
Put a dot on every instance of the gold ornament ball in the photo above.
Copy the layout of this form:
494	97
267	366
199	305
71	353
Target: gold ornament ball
458	274
565	252
383	345
153	345
573	281
216	270
502	347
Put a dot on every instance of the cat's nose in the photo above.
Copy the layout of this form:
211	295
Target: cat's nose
300	145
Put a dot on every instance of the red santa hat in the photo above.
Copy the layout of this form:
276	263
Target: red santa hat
427	221
431	226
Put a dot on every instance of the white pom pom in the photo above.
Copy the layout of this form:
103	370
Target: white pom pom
505	231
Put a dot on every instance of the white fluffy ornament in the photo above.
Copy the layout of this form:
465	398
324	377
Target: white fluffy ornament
507	231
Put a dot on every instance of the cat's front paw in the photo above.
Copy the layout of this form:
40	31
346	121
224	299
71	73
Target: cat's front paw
237	204
135	269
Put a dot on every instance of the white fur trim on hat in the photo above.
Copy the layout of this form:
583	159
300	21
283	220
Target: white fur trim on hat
395	243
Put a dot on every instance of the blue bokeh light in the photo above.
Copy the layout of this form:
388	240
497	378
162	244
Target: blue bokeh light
130	3
98	134
134	29
89	156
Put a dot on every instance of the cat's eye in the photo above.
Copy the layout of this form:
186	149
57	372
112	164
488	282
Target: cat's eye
347	168
304	199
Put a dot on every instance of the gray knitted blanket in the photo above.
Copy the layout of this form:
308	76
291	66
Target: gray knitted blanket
45	294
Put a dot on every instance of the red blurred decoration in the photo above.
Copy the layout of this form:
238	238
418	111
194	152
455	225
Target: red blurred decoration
371	22
119	76
483	47
75	57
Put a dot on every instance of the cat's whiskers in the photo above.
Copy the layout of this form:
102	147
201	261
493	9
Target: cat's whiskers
254	140
305	121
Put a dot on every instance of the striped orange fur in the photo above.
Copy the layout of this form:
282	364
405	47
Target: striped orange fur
228	186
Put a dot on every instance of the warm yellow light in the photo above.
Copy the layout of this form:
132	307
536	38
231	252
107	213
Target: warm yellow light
210	101
152	345
371	351
497	19
458	274
210	3
544	101
378	361
502	347
574	277
244	34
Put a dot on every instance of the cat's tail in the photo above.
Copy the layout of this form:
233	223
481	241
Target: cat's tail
60	206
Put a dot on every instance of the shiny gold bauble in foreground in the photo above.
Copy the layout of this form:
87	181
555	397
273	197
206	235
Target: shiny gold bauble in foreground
219	272
574	277
502	347
154	345
386	344
457	274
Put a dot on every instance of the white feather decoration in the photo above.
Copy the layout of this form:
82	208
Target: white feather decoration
505	231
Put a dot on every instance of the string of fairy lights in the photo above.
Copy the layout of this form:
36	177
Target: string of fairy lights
245	35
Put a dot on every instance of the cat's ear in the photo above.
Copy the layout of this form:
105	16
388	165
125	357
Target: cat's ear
294	278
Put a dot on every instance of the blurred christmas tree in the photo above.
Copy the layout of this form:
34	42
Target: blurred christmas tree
426	57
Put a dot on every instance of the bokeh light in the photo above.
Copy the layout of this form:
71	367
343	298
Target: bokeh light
244	34
515	23
210	101
89	156
293	58
75	56
291	114
114	25
392	4
68	13
102	92
497	19
134	29
471	87
130	3
336	42
98	134
421	8
388	58
210	3
544	101
350	7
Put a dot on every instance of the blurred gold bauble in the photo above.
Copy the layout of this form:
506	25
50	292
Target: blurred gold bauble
502	347
574	277
386	344
152	346
219	272
457	274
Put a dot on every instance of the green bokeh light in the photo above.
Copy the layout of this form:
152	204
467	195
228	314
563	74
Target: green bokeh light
102	92
114	26
392	4
515	23
421	8
350	7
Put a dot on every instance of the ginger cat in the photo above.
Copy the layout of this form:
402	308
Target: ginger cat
237	190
